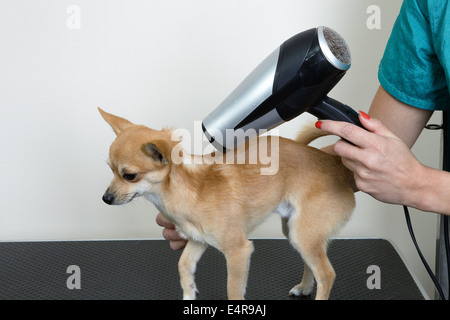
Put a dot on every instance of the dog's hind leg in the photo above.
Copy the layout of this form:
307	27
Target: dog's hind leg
310	237
187	265
307	284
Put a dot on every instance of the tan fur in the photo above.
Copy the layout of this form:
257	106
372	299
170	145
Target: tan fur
219	204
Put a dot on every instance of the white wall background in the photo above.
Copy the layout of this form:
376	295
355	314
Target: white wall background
156	63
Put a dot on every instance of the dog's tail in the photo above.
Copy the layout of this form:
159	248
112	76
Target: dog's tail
309	133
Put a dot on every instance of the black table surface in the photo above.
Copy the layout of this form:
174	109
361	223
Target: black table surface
147	270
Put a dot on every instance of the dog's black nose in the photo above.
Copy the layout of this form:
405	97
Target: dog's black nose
108	198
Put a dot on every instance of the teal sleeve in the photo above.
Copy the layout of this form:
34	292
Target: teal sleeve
411	69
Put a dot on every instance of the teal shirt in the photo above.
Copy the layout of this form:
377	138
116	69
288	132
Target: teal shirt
415	67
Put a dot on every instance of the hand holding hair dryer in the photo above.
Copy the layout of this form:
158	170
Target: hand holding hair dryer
295	78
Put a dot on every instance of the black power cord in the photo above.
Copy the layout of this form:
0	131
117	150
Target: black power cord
446	167
427	267
447	251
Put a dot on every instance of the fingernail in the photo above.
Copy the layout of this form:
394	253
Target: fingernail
365	115
318	124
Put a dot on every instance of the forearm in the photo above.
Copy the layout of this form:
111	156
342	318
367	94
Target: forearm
404	121
431	191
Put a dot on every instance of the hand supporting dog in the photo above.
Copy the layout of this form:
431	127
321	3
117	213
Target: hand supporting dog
169	233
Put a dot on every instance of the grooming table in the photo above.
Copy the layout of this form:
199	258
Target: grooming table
147	269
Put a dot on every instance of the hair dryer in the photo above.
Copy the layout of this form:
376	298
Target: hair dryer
295	78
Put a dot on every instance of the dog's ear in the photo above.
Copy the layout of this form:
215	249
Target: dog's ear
158	150
118	124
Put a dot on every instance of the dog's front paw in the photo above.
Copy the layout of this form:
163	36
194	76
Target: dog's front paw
300	290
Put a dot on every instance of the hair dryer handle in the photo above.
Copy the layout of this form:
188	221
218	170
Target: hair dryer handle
334	110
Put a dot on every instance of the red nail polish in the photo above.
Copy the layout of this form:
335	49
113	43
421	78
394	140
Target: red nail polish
318	124
365	115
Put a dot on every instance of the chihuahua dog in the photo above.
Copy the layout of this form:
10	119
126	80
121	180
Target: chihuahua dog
219	204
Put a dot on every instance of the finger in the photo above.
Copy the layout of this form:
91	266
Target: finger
177	244
347	131
347	151
171	234
350	164
163	222
375	125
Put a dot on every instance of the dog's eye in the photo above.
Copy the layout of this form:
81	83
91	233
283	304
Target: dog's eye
129	176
